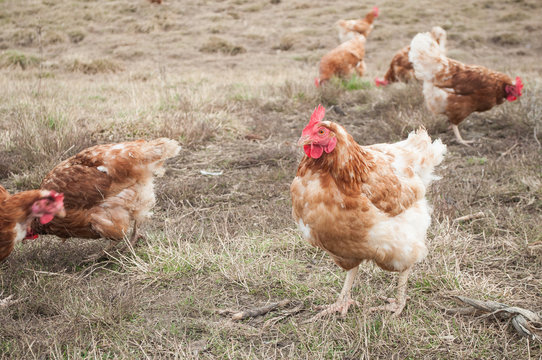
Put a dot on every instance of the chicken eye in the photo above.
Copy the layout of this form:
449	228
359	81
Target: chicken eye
321	132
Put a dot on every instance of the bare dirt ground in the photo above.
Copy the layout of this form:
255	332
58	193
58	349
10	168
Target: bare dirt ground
232	80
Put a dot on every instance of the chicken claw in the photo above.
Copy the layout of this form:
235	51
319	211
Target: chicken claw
393	305
341	306
396	305
343	302
458	137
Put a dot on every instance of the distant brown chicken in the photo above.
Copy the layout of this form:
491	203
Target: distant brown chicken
348	29
454	89
343	61
401	69
155	1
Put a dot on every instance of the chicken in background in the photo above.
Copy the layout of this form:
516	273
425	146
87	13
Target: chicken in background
401	69
348	29
106	188
18	211
454	89
343	61
364	202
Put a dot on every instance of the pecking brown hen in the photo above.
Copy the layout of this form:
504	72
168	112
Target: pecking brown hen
454	89
106	188
343	61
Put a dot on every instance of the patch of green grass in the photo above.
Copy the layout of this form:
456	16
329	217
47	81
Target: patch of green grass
356	83
474	160
13	58
55	121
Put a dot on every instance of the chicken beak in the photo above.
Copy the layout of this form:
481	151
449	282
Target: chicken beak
304	140
61	213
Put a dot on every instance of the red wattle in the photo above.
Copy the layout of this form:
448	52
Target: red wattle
316	151
307	149
46	218
331	145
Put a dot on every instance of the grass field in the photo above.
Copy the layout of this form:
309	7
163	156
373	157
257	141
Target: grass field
214	75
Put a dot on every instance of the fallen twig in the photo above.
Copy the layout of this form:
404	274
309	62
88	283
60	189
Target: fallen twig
240	315
6	302
477	215
286	314
508	151
526	322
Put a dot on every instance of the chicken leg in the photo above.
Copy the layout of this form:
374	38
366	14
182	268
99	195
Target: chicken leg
397	305
134	237
344	301
459	138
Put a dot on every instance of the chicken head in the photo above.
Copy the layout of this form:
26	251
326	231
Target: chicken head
513	92
316	137
51	205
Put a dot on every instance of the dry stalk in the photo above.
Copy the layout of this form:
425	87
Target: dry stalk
526	322
240	315
469	217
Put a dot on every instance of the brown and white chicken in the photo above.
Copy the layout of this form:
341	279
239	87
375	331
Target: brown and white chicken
364	202
401	69
343	61
348	29
454	89
107	188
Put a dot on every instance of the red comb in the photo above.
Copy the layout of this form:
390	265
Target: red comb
519	85
380	82
317	116
375	10
57	196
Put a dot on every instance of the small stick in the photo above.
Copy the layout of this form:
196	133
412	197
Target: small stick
259	311
477	215
526	322
4	303
288	313
508	151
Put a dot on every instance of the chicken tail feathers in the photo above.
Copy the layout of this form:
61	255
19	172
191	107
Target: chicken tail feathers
426	56
167	148
430	154
159	150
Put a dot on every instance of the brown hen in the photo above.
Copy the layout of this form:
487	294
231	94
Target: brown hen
106	188
364	202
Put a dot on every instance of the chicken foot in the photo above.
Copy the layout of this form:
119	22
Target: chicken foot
344	301
396	305
458	137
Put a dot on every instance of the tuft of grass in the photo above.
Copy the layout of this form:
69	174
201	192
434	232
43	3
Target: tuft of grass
76	36
24	37
286	42
92	67
216	44
356	83
506	39
13	58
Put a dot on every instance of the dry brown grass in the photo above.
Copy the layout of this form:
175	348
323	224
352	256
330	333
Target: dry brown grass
228	242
